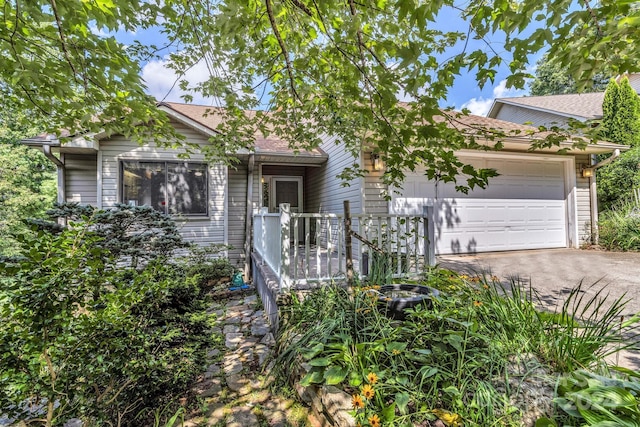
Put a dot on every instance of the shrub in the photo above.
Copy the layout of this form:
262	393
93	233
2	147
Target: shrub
85	335
619	228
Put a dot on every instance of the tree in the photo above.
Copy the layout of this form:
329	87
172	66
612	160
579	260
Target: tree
336	66
27	180
551	79
621	124
621	113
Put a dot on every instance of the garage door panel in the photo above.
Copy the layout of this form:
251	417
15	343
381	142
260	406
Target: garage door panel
524	208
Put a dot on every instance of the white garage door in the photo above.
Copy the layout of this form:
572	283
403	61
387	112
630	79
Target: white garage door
523	208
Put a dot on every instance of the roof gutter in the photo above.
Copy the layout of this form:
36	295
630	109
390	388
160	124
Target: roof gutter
59	162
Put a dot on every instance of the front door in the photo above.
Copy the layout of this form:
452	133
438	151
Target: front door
286	190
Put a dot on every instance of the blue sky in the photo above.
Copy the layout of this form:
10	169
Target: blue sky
161	81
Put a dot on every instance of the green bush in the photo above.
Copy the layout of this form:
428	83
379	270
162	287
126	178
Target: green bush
105	336
619	229
617	180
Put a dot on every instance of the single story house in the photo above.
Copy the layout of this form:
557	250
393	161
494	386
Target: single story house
539	200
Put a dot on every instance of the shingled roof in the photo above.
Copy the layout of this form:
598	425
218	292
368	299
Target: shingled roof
212	117
581	106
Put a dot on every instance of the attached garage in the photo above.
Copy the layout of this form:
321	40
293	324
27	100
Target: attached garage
530	205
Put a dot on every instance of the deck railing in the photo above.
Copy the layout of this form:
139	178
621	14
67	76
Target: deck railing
307	248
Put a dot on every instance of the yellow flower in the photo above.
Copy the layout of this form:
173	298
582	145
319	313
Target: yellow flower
495	278
485	286
449	418
464	277
357	402
374	420
477	303
372	378
395	352
475	279
368	392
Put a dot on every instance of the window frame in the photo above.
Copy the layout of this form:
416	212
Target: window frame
165	163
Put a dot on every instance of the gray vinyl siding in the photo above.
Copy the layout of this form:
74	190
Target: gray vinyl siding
325	192
515	114
236	201
201	230
583	200
81	182
374	189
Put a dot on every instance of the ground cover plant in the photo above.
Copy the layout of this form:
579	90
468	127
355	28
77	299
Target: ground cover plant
100	320
483	355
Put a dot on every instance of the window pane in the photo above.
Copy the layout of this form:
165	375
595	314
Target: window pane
144	184
187	188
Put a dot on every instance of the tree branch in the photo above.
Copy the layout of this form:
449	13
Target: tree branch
63	42
283	48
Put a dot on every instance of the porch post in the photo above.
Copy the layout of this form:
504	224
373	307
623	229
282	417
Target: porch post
429	235
285	244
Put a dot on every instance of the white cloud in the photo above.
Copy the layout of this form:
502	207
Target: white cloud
163	82
480	106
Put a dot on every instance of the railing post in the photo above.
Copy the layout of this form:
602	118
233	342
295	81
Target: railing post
285	226
429	235
347	243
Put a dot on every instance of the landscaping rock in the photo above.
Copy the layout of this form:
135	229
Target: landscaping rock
231	329
232	364
242	417
260	329
337	404
232	340
268	340
238	384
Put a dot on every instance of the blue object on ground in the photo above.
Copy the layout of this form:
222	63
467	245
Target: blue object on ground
238	283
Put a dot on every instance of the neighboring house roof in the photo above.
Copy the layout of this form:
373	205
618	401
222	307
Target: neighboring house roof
579	106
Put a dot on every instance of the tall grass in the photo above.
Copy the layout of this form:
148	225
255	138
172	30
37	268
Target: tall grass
456	358
619	228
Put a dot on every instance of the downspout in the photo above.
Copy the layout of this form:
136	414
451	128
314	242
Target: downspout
593	202
249	219
593	193
59	162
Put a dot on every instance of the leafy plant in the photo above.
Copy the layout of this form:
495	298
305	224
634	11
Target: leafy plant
619	228
460	360
599	400
86	335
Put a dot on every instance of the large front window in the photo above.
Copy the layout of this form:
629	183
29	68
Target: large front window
170	187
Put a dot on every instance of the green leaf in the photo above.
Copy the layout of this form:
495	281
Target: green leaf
402	400
320	361
545	422
315	376
335	375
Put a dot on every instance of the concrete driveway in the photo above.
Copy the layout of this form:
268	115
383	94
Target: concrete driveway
553	272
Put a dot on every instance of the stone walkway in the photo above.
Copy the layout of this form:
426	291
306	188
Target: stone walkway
234	389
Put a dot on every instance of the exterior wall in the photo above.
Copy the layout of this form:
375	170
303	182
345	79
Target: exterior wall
583	200
324	190
515	114
204	230
373	195
81	180
237	211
